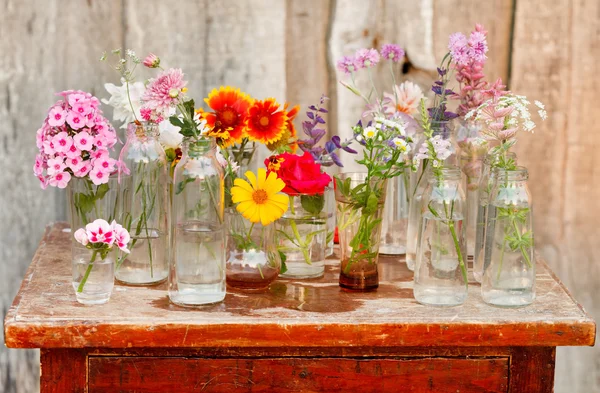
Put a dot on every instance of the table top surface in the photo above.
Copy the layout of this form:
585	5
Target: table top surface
293	313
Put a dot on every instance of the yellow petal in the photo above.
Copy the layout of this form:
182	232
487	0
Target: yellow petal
273	184
253	214
239	194
243	184
265	215
252	177
262	175
280	200
246	206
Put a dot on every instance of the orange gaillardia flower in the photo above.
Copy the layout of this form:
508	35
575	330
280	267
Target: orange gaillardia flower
266	122
230	110
289	135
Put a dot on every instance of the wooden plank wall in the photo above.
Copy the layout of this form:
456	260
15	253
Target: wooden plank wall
546	49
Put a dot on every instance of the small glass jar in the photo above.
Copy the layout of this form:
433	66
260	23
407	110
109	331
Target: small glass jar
197	263
302	235
329	167
144	195
93	274
441	265
418	184
395	216
509	275
486	184
252	259
359	229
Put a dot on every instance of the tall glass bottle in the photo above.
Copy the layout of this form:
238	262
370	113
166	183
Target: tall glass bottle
418	183
197	263
509	274
441	264
485	191
145	214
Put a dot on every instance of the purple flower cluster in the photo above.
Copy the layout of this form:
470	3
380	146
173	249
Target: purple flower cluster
312	128
366	58
465	51
439	112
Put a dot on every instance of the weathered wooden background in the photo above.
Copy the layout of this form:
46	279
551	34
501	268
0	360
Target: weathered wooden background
546	49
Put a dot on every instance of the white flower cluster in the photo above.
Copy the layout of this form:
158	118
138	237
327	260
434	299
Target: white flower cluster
200	167
143	151
435	149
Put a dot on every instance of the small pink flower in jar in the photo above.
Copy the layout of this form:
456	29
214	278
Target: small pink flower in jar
57	116
100	231
62	142
55	166
83	141
60	179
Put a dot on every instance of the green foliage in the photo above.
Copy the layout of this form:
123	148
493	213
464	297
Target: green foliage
313	204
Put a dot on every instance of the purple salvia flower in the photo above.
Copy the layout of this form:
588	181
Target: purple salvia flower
366	58
392	52
347	65
336	160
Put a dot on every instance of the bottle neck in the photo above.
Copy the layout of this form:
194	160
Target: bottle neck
520	175
198	147
142	132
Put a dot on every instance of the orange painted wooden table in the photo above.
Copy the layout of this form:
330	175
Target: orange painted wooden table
300	336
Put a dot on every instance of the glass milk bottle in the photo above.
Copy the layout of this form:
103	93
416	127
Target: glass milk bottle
197	265
145	214
509	275
485	190
441	263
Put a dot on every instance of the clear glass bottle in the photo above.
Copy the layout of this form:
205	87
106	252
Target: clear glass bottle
329	167
418	184
395	216
486	184
509	272
197	263
88	202
441	265
144	192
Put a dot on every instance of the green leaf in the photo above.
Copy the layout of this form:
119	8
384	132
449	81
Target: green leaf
432	210
101	191
181	185
283	258
371	205
313	204
176	121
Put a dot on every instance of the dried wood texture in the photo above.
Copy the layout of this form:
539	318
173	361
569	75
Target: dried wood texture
151	374
46	47
559	66
292	313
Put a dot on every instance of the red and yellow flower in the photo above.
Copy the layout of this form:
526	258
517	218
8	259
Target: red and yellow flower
230	110
266	122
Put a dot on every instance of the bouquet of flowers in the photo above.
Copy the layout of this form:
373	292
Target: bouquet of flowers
74	141
386	145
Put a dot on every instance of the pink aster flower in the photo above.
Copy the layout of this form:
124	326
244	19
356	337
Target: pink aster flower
60	179
39	138
83	141
57	116
55	165
75	97
75	120
98	176
82	108
48	148
366	58
100	231
164	92
74	163
43	181
151	61
392	52
346	64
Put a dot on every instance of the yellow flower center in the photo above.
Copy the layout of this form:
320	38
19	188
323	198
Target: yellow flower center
264	121
260	196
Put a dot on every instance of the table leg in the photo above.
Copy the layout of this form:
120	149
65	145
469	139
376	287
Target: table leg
63	371
532	369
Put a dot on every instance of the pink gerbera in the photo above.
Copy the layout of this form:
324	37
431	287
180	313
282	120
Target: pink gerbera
164	92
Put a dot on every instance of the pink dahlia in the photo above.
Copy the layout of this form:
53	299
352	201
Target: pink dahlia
163	93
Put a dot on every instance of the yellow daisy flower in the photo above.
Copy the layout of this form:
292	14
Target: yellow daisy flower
259	199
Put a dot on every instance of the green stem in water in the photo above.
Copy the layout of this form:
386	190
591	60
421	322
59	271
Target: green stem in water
87	272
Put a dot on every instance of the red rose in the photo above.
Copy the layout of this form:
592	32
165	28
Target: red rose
301	174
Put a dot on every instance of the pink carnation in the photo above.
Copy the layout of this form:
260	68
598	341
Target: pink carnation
100	231
346	64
